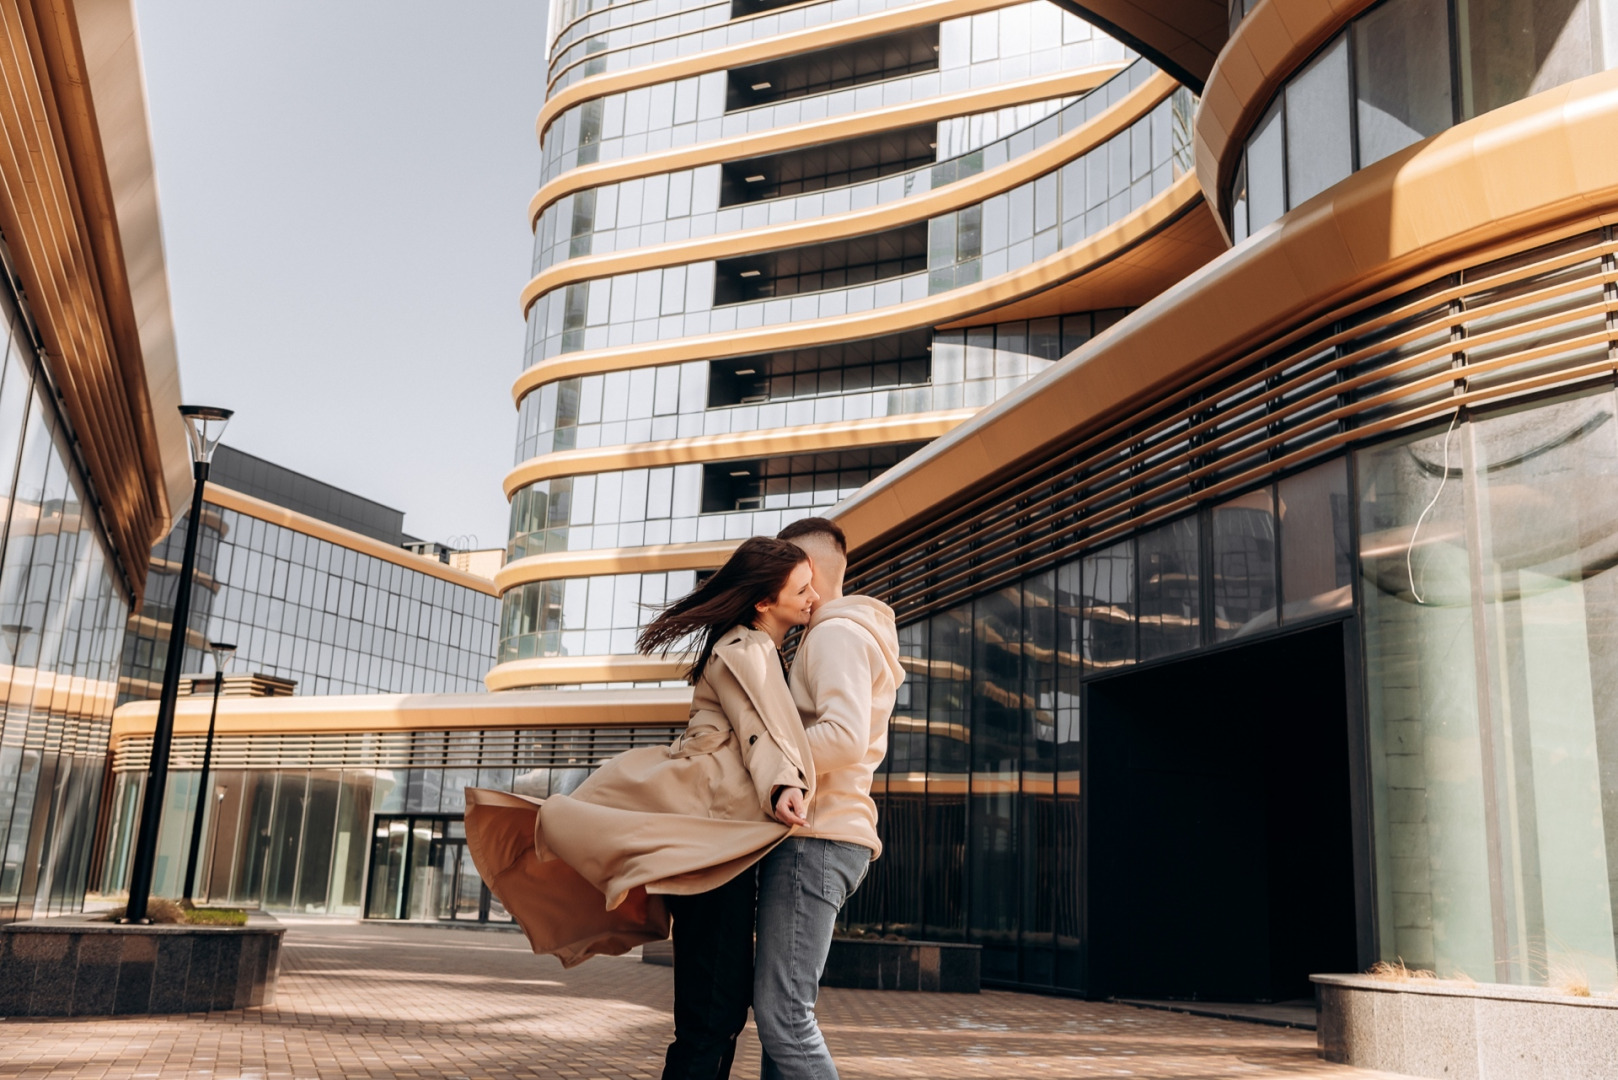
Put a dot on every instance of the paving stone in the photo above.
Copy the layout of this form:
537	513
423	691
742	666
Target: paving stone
370	1000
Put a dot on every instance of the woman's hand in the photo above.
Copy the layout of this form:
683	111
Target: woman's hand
789	807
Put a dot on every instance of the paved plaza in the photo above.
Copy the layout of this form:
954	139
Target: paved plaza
367	1000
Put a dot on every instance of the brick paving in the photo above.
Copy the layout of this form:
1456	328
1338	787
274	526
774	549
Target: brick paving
368	1000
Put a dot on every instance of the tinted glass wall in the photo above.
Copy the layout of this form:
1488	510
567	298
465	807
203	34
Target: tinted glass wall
62	615
979	799
335	620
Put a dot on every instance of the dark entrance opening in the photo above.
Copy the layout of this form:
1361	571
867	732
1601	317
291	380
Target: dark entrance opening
1221	863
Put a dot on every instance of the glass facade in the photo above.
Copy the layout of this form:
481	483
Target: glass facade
63	606
1382	638
363	824
1402	71
1001	234
335	619
980	797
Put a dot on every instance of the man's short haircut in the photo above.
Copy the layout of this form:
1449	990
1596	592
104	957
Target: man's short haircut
815	526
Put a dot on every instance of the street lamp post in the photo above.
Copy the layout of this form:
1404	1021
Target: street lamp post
203	428
221	656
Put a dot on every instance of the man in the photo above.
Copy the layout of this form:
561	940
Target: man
844	680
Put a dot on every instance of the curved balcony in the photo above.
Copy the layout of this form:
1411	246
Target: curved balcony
552	566
704	57
586	671
703	142
808	438
887	202
1161	263
1080	206
669	37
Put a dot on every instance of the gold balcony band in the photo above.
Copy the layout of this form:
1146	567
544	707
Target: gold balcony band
793	136
825	36
571	670
556	73
1272	42
804	439
1129	241
1525	174
702	555
310	526
942	200
338	714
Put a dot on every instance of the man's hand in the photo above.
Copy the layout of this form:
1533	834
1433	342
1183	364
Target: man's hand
789	807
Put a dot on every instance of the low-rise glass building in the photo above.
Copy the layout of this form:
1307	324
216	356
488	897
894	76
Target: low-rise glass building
314	585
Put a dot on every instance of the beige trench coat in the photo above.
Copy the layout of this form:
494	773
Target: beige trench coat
583	873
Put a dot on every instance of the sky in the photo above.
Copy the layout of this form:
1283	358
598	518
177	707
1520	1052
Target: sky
343	189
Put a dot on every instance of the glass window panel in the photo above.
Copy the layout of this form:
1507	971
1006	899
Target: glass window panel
1266	179
286	833
1403	92
1548	523
1422	712
1170	589
948	764
1244	565
319	830
997	708
349	846
1320	151
1510	49
1106	601
1316	557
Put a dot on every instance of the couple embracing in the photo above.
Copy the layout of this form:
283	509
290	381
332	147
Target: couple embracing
749	832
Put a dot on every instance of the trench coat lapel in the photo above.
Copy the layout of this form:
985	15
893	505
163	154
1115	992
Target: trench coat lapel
772	700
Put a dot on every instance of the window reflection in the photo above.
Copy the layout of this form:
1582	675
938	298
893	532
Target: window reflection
1244	565
1170	589
1406	57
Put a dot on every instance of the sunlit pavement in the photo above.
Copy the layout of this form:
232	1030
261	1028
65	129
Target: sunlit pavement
370	1000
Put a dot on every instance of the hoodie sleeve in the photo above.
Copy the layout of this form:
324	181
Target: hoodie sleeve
840	671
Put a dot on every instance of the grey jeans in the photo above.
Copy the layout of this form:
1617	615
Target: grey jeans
802	884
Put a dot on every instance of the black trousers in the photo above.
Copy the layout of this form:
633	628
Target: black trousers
713	977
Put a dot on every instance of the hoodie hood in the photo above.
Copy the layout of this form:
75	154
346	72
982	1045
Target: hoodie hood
872	616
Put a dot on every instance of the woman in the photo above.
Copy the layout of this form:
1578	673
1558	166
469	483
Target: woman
675	829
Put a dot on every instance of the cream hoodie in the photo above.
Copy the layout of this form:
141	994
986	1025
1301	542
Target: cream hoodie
844	681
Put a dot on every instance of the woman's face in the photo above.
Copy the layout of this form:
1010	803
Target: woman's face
795	602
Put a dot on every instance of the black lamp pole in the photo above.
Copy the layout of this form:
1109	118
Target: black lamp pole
203	441
221	656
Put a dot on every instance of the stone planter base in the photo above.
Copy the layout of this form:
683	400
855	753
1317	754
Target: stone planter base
1459	1031
73	965
861	964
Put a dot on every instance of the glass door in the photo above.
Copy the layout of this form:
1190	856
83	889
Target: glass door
422	870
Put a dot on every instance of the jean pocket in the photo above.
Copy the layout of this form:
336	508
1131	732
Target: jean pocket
844	866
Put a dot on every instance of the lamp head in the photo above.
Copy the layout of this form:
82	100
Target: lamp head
204	426
221	654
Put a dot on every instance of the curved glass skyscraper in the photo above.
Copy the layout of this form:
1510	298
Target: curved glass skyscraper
778	248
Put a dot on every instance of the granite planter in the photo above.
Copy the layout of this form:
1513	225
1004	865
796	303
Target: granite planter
75	965
1465	1031
872	964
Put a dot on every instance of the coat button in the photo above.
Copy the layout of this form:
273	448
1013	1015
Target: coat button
752	739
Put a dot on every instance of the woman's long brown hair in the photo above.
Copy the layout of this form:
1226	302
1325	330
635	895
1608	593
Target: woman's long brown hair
757	571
